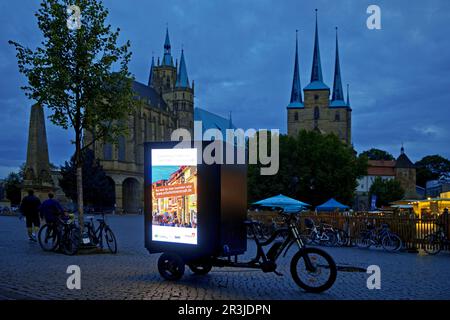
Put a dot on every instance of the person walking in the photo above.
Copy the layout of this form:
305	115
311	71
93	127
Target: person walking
51	209
30	209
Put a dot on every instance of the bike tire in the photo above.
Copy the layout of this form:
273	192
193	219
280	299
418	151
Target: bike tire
48	232
111	241
70	241
171	266
363	241
391	242
431	244
305	253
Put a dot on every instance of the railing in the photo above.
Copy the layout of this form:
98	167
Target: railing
410	229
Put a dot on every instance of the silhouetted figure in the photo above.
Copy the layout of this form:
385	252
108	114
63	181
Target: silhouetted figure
30	209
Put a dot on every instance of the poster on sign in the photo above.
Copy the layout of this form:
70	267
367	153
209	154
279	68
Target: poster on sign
174	195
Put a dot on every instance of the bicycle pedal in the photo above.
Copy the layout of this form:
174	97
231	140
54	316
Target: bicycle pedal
278	273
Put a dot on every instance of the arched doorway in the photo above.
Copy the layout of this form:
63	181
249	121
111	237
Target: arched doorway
131	195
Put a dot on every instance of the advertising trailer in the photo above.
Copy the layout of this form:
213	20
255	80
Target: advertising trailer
192	208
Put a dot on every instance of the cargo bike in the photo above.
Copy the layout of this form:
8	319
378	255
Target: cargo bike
195	215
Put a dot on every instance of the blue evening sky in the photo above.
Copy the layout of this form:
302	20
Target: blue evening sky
241	53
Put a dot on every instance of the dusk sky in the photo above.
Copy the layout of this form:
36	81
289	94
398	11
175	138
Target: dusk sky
241	55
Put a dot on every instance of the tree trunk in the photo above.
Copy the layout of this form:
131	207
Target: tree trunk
79	174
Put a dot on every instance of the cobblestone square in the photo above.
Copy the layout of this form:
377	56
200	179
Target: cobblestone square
29	273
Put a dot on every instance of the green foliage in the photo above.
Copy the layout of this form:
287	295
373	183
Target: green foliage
82	75
377	154
386	191
432	167
12	185
98	191
324	166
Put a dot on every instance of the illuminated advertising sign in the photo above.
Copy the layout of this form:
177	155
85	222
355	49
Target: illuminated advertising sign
174	195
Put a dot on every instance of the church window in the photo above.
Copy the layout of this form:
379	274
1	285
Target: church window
316	97
316	113
107	151
296	116
337	116
122	151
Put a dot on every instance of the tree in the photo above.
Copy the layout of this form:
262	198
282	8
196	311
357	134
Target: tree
81	75
386	190
377	154
12	185
432	167
97	190
313	168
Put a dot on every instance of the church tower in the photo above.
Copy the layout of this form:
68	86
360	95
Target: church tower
163	75
183	98
318	112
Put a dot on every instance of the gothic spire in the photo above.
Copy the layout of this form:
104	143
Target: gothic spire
338	93
167	59
296	92
316	71
150	77
182	77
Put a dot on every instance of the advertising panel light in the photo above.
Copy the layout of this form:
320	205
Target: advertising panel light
174	195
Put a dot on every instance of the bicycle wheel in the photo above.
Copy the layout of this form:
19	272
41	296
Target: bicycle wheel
48	237
110	239
171	266
200	268
70	241
330	238
342	238
313	270
363	241
432	244
391	242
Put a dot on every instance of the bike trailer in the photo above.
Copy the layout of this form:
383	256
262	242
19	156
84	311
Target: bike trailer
194	209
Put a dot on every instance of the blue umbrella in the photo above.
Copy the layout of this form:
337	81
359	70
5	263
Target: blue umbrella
332	205
282	201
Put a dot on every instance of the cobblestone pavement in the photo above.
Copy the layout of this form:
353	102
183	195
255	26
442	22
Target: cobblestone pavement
26	272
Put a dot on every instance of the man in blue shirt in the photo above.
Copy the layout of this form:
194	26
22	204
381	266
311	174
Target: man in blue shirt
50	209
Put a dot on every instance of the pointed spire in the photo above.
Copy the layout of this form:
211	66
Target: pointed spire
316	71
338	93
348	95
167	59
182	77
296	92
150	77
402	149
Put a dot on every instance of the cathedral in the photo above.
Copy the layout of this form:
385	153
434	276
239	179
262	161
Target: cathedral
317	111
168	97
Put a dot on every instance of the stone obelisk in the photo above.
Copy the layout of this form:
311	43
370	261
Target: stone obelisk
37	173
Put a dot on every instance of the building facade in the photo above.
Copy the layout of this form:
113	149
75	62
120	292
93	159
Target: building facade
401	169
317	111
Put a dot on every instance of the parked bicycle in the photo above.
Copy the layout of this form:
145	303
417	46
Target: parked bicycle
434	242
95	236
324	234
62	234
381	236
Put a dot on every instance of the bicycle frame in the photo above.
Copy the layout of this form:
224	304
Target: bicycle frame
261	261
